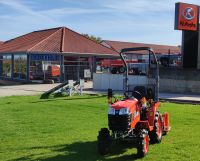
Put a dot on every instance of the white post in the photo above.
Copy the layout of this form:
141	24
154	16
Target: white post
81	86
71	84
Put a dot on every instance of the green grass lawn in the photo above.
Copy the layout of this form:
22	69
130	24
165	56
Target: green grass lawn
65	129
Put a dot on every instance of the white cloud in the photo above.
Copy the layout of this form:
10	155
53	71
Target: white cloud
25	10
22	21
68	11
16	5
140	6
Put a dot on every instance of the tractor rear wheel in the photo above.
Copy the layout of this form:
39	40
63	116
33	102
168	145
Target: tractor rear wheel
143	143
104	141
156	134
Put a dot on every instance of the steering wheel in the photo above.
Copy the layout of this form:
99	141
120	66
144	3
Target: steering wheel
137	95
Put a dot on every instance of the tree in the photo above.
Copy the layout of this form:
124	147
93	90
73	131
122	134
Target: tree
92	37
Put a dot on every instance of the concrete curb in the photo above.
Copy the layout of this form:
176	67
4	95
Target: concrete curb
172	100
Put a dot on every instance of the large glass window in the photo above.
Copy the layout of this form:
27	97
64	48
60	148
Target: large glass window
1	65
20	62
44	66
103	65
5	65
77	68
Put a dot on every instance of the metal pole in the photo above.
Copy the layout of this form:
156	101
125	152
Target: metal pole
28	68
78	70
126	73
61	68
12	66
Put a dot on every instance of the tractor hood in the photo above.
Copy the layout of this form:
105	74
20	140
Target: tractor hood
131	104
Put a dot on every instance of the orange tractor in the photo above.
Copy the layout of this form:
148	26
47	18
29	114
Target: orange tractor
135	118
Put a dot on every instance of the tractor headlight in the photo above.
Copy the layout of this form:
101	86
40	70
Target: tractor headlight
124	111
111	111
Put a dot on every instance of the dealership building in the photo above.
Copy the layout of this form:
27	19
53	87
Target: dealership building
60	54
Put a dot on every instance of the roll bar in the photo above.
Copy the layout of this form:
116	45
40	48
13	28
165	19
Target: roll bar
150	50
136	49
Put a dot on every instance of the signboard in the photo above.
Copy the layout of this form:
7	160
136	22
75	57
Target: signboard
45	57
186	16
87	73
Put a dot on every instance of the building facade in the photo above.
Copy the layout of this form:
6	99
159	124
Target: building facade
59	54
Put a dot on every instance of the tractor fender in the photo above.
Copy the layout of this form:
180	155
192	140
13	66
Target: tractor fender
166	124
151	114
156	106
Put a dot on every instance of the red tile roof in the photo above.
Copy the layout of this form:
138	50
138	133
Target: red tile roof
56	40
1	42
158	49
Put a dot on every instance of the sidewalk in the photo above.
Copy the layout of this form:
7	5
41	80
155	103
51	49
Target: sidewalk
171	97
28	89
180	98
33	89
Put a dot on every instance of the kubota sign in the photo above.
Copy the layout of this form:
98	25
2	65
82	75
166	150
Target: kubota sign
186	16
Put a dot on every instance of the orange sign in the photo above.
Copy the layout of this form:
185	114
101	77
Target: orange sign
186	16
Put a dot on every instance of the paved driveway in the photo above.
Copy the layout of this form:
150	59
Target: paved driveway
180	97
30	89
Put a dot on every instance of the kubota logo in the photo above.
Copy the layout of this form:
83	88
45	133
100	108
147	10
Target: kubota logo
188	13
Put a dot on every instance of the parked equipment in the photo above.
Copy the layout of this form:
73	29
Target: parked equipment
117	66
168	60
135	118
53	71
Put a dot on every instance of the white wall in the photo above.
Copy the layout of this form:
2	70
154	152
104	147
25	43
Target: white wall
103	81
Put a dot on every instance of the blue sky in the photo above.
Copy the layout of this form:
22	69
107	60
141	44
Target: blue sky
145	21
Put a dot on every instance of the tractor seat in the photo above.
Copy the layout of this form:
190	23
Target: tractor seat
150	94
139	92
142	91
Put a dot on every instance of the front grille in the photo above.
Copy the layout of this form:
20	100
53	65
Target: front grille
119	122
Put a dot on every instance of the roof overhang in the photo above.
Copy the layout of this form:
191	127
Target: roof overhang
91	54
67	54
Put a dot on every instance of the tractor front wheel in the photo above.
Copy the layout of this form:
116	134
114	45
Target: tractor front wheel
104	140
156	134
143	143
